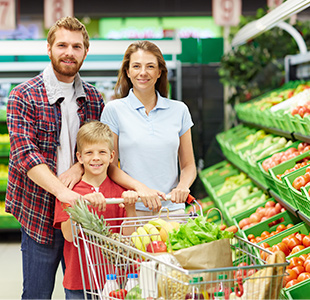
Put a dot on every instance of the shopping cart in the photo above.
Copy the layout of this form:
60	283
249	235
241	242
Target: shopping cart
160	275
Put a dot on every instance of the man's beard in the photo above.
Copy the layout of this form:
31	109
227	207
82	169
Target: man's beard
66	70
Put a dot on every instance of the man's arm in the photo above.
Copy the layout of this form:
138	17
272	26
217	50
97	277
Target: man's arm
42	176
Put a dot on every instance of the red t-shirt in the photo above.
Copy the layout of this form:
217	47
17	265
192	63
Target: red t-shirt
72	277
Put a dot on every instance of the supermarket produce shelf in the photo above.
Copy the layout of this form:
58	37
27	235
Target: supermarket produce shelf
285	204
301	137
277	131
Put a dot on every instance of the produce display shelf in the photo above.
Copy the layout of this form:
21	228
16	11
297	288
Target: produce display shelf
277	131
285	204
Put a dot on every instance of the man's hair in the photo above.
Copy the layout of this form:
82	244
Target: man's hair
94	132
69	23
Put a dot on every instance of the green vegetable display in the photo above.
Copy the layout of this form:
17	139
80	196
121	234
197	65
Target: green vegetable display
194	232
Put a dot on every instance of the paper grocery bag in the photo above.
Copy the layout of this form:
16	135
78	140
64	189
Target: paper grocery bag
216	254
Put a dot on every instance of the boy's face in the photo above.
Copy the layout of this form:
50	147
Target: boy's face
95	158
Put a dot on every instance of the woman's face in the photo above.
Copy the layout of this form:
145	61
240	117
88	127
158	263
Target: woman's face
143	70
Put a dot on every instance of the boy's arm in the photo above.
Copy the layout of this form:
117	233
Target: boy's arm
130	199
66	230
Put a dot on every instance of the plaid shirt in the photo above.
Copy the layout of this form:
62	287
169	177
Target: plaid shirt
34	122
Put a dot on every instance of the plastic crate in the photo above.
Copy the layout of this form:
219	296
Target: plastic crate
284	217
304	203
251	196
299	124
297	196
282	188
268	180
298	291
301	227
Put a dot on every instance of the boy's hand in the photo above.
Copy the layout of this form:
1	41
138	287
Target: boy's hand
96	200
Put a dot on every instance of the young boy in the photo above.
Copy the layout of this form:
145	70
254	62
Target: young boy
95	152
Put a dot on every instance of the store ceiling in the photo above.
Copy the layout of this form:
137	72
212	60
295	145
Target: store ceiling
120	8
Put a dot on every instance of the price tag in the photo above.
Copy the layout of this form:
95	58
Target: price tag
7	15
56	9
226	12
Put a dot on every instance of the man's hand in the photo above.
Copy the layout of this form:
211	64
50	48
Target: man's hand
96	200
72	176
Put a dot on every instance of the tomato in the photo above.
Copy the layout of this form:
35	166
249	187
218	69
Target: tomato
297	249
303	256
291	283
295	261
299	269
287	238
264	245
251	236
307	265
265	234
306	241
281	227
300	236
291	275
156	246
281	247
244	222
270	204
303	276
289	226
293	242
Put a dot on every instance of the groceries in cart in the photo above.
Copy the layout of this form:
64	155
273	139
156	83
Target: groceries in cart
202	261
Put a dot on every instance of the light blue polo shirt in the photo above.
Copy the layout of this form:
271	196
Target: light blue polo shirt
148	144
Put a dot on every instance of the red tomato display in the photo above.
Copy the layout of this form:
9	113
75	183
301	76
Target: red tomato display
299	269
291	275
291	283
306	241
303	276
293	242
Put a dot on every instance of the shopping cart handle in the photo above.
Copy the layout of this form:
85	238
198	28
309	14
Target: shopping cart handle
189	200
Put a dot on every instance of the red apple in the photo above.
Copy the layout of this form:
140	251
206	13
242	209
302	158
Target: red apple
156	246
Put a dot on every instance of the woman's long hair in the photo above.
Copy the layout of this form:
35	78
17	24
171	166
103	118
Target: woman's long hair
123	84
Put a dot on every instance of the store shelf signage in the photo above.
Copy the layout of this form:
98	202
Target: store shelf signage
7	15
56	9
226	12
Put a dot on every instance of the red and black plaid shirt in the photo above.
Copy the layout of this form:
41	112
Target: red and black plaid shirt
34	135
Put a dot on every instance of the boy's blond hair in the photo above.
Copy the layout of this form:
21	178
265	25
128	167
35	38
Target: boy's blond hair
94	132
69	23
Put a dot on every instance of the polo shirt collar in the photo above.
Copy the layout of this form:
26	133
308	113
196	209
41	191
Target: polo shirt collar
53	89
162	102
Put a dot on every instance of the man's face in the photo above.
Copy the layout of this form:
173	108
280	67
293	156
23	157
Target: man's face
67	54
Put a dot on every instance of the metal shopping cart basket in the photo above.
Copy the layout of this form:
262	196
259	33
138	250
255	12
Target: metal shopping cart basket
160	275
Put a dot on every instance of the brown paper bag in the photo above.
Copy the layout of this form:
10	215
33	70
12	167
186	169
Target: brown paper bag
216	254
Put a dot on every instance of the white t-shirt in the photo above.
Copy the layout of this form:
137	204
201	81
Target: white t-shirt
149	144
69	128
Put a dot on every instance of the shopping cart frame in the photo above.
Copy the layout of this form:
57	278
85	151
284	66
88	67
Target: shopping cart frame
95	243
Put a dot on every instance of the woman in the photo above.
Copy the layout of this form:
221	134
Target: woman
151	132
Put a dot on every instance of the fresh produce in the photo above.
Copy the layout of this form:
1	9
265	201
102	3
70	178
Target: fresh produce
261	214
266	234
297	166
298	270
81	214
194	232
289	245
302	180
279	144
242	205
268	140
156	230
283	156
156	246
240	194
250	139
134	294
118	294
233	182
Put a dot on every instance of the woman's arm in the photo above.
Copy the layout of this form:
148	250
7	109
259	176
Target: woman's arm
188	170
